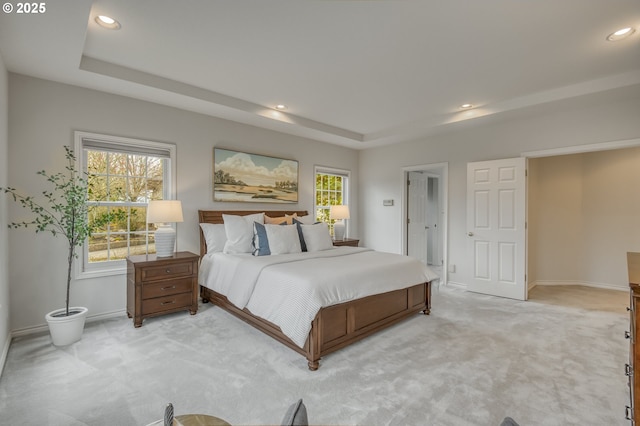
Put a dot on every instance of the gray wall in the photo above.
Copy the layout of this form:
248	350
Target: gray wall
4	256
580	122
43	117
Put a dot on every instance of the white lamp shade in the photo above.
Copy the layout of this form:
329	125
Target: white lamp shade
162	212
339	212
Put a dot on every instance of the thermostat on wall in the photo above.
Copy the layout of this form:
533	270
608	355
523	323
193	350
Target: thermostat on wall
387	202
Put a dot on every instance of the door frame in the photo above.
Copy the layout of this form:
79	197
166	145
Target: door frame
442	171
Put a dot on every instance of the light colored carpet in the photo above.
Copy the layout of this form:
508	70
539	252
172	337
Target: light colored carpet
578	296
473	361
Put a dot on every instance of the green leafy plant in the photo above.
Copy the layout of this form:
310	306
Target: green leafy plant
64	210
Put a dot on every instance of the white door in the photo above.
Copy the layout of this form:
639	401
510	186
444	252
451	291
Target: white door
432	219
496	217
417	216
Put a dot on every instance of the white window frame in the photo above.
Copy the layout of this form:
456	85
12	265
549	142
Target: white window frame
345	190
83	269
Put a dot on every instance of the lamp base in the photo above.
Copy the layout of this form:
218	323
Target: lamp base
165	237
338	230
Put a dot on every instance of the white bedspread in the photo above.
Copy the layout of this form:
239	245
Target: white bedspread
289	290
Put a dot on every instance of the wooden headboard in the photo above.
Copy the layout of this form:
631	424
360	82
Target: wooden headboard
215	216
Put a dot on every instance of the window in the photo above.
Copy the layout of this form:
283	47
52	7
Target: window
331	189
123	175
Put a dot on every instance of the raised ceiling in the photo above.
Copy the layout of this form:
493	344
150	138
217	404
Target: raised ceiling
358	73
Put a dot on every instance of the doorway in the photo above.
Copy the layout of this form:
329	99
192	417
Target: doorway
425	215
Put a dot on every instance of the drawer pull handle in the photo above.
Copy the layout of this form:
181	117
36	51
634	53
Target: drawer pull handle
628	413
627	335
628	370
173	301
168	271
173	286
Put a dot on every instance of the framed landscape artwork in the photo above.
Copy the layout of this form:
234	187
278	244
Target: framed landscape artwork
239	176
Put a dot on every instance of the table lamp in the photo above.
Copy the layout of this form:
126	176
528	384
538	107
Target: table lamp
339	213
163	213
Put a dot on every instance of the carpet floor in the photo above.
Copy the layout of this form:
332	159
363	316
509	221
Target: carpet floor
473	361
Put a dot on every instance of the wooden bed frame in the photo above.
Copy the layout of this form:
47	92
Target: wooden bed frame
334	327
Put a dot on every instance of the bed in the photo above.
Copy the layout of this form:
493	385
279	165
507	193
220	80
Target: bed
332	327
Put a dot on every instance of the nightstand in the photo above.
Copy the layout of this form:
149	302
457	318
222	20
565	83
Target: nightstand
346	242
161	285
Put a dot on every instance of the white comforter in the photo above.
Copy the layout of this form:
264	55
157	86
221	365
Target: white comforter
289	290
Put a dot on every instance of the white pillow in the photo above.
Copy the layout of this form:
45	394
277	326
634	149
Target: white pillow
283	239
214	236
316	237
239	230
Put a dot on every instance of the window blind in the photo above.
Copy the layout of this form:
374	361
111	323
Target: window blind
108	146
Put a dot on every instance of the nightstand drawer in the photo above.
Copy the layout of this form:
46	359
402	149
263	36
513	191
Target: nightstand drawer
167	288
166	303
167	271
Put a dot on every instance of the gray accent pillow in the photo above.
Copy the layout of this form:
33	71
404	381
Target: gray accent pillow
508	421
296	415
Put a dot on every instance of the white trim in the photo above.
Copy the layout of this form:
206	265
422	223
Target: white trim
443	172
82	269
5	352
27	331
577	149
606	286
98	273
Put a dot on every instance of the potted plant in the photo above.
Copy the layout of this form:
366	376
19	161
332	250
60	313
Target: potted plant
64	211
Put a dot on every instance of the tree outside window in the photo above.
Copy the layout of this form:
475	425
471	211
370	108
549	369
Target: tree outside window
331	189
122	181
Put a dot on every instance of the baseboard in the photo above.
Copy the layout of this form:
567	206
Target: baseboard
44	328
455	284
5	352
531	285
582	283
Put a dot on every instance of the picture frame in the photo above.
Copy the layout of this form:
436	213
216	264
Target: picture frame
244	177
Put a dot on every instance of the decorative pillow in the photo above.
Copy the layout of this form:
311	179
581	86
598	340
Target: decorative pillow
214	236
260	240
239	231
317	237
275	239
278	220
303	245
283	239
296	415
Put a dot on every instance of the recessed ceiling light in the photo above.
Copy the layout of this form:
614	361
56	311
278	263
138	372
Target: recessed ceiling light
621	33
107	22
281	107
466	106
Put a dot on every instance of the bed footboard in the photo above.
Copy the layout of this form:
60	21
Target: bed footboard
337	326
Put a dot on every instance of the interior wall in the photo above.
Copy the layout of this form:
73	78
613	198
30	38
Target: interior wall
44	116
583	121
585	216
4	255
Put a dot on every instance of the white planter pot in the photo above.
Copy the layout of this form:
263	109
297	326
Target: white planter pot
66	330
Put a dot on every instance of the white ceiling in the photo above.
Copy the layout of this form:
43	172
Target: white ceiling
358	73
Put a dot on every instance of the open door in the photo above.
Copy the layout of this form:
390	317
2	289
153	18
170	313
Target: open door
496	227
417	216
